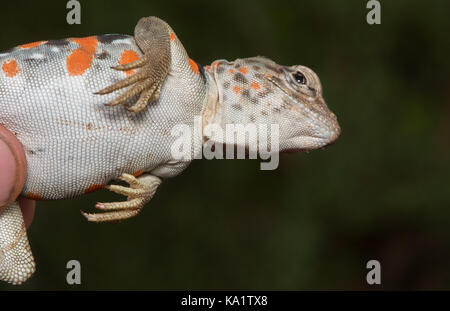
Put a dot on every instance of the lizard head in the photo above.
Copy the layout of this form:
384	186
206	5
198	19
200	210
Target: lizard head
258	90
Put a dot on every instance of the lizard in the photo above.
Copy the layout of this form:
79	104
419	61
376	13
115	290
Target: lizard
96	109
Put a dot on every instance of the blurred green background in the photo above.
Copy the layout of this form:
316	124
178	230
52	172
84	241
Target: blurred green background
381	192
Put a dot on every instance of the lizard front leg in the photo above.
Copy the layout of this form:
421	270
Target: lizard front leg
152	35
141	190
16	260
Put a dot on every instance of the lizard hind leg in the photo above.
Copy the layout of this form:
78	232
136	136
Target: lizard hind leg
152	36
140	191
16	260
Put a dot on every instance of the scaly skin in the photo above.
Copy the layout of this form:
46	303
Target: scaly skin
61	100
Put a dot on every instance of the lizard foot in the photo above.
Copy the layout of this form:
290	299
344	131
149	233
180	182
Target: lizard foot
141	190
152	36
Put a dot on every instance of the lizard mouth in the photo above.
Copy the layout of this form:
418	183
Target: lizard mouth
307	143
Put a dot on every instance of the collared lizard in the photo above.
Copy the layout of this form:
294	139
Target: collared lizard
95	109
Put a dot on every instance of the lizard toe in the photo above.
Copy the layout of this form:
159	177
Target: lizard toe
141	191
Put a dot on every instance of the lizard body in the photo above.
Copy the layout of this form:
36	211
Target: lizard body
53	136
61	98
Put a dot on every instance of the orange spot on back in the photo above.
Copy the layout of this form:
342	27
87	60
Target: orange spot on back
236	89
231	71
194	66
78	62
93	188
10	68
89	44
31	45
81	59
138	173
255	85
33	196
128	56
172	36
243	70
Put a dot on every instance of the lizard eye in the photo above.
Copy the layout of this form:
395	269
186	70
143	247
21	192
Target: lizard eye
299	77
